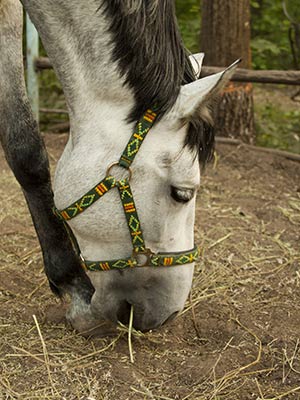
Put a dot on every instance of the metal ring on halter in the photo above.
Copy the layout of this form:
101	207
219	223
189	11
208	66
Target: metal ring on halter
142	257
116	164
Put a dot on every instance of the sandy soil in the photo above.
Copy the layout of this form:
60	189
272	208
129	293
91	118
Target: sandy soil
239	336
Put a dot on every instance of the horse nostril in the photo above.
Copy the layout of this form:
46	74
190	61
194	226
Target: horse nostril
124	312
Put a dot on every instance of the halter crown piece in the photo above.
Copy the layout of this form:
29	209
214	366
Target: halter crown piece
141	255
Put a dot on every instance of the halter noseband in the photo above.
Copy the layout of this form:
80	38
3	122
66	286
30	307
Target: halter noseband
141	255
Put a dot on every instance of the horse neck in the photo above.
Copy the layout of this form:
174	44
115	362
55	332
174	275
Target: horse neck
99	123
79	45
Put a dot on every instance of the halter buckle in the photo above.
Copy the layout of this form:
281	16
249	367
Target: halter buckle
142	257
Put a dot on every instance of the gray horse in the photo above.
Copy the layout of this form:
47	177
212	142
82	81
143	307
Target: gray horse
124	70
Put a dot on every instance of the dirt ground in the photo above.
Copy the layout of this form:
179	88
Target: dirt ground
239	335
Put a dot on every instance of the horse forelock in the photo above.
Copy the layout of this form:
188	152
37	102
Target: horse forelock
149	51
200	139
151	55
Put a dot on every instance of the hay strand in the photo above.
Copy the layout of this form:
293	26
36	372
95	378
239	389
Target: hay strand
130	334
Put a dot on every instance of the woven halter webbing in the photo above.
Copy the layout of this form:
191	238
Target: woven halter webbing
109	182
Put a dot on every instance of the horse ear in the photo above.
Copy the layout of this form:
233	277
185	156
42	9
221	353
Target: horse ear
196	61
200	94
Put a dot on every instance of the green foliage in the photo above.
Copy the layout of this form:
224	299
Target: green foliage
270	35
270	30
293	9
277	127
189	19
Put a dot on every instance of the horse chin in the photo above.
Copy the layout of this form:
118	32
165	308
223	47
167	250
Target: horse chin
153	297
86	323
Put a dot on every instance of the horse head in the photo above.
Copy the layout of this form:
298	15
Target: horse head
147	262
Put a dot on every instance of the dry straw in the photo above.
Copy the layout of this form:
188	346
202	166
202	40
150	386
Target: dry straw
249	265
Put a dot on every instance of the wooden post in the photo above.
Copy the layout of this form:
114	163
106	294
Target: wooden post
32	53
225	37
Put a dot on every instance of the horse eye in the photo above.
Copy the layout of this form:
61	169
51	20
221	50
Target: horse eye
182	195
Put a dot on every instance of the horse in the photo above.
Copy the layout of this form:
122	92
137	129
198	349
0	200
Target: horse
128	80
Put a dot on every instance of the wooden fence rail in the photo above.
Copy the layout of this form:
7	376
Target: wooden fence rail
241	75
266	76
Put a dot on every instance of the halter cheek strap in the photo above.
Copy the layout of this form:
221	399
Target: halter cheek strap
141	255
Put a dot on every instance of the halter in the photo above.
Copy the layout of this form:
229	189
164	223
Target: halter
141	255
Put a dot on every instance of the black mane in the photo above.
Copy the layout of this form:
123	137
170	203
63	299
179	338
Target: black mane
150	53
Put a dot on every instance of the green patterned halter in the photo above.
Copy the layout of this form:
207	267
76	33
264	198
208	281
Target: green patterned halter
141	255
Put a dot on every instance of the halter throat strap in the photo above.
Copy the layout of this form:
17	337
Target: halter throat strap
141	255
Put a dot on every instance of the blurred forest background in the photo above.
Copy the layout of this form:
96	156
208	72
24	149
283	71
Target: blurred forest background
277	116
270	43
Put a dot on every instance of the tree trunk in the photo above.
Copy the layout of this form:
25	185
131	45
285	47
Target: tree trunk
225	37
